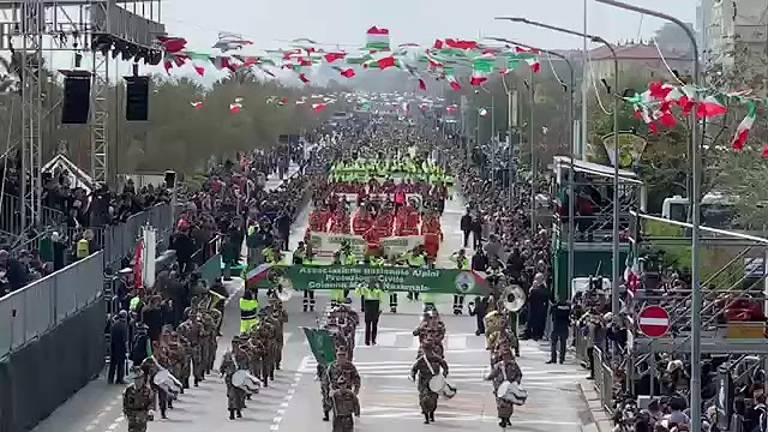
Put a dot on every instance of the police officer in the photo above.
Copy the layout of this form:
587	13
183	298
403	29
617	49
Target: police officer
416	259
249	308
301	257
462	263
371	296
561	319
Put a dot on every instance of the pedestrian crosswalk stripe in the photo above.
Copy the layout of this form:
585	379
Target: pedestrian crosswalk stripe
456	342
415	344
386	339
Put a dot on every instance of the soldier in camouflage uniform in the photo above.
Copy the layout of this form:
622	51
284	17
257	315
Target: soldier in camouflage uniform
257	351
506	369
266	334
331	373
230	365
279	317
176	355
345	405
186	361
208	341
137	400
427	366
191	329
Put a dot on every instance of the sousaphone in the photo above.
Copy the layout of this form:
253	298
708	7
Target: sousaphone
513	298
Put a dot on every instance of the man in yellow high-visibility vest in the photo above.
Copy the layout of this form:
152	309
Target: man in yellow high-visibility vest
249	312
372	296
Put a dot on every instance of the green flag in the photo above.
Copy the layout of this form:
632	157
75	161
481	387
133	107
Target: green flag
321	344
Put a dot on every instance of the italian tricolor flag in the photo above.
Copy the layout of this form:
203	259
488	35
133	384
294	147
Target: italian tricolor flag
451	78
377	39
482	67
742	132
709	108
530	56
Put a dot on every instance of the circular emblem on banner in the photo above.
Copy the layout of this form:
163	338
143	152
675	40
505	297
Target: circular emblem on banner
465	282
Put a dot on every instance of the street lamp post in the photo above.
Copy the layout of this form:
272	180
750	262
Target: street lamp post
534	161
571	154
615	306
695	220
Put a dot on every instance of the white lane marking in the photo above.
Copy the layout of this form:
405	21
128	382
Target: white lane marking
415	343
386	339
287	398
457	342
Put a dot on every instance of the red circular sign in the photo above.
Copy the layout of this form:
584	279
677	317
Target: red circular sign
653	321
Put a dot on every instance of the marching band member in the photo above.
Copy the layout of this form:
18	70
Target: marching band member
233	361
427	366
137	401
505	370
345	404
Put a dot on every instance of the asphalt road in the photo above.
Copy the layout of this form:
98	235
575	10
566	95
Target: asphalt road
388	398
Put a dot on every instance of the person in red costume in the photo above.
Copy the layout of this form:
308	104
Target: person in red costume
362	221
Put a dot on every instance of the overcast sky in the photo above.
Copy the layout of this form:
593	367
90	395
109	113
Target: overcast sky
418	21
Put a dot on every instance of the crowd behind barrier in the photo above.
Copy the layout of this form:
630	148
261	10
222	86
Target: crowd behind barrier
54	249
44	304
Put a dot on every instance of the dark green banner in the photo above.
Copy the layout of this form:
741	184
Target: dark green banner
434	281
321	344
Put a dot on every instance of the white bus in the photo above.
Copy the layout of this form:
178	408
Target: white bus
717	210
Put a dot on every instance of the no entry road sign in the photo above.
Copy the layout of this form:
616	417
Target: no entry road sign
654	321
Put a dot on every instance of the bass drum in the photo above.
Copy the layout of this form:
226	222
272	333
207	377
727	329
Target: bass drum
512	392
437	383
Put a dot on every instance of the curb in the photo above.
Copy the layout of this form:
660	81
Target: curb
599	419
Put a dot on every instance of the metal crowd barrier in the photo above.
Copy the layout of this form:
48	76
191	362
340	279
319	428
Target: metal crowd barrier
580	344
28	313
120	240
603	381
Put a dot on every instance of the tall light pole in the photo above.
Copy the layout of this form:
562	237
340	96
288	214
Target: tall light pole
695	220
571	154
615	305
534	161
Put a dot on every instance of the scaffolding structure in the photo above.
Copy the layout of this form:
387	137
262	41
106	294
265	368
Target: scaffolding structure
734	292
74	26
593	233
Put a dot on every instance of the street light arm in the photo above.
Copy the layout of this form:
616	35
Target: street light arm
550	52
670	18
550	27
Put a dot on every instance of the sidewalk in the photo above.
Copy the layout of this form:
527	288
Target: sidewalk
600	421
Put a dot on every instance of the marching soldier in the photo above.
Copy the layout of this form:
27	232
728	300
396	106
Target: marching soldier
137	400
176	355
505	370
345	405
230	365
342	367
208	341
191	329
278	317
267	337
427	366
151	368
